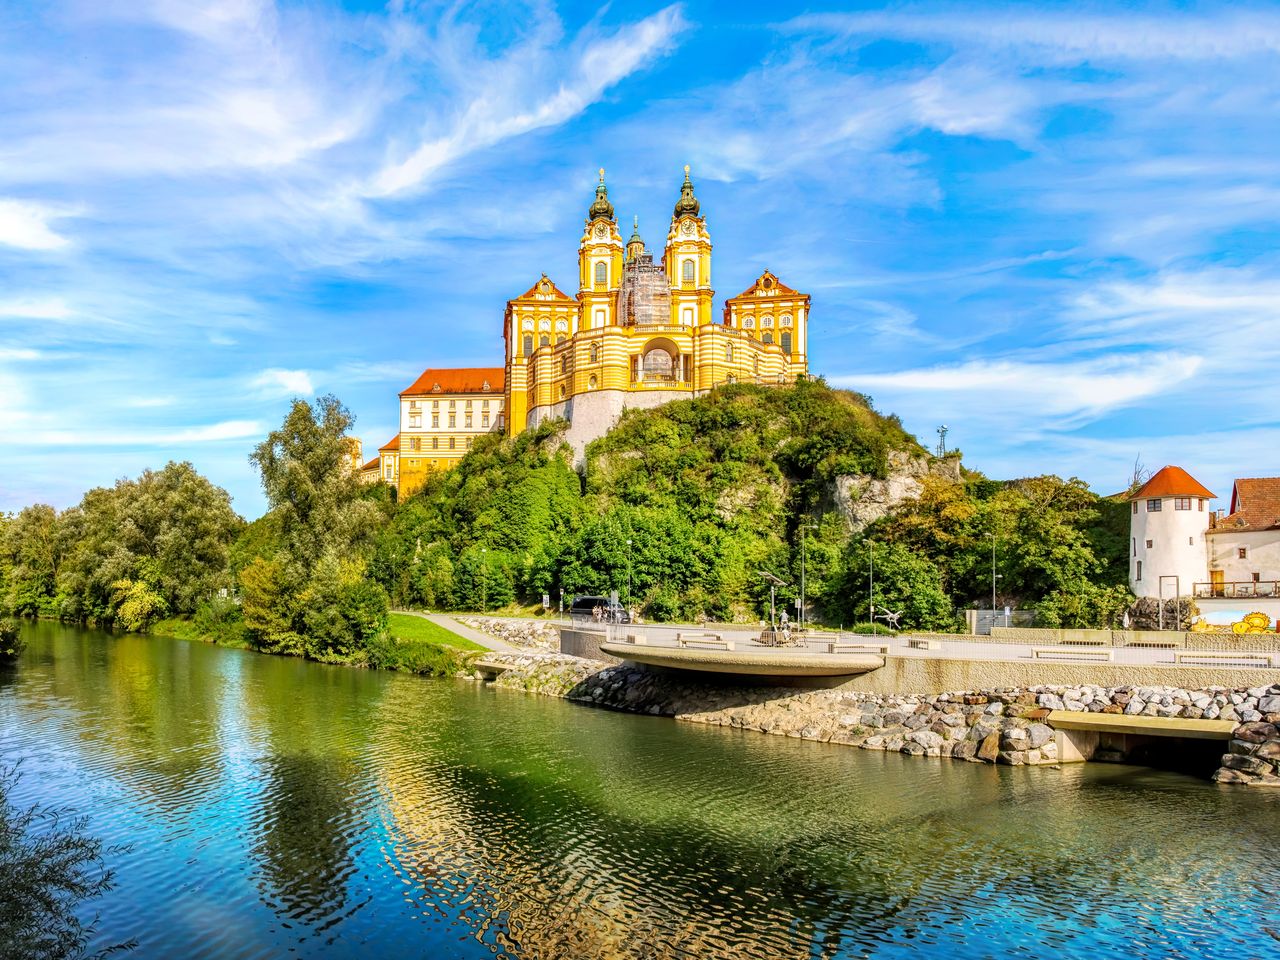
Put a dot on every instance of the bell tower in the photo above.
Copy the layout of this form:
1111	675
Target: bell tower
688	260
600	256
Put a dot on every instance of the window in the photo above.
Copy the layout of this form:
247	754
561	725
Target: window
1138	574
544	340
435	420
528	344
562	391
602	274
1150	544
468	423
1191	541
766	322
1135	506
749	323
1153	506
452	443
484	419
453	404
786	321
435	404
560	338
687	275
591	384
768	336
415	422
1243	553
484	404
1202	505
595	353
786	342
728	353
469	443
564	365
468	404
1182	503
413	404
1257	577
453	420
1135	546
435	443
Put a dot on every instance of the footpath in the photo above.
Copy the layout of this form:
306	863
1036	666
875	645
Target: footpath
486	640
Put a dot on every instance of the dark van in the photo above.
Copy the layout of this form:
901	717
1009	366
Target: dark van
585	608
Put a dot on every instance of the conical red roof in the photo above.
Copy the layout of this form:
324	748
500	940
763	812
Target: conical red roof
1172	482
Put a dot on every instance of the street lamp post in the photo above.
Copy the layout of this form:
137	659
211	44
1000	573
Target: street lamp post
628	574
484	578
871	587
994	577
804	544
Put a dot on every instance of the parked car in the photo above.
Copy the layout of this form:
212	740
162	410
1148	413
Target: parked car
585	608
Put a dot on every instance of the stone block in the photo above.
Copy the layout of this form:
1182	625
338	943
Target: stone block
1265	751
1012	758
1227	775
964	749
1257	732
1038	734
1250	765
989	749
1242	747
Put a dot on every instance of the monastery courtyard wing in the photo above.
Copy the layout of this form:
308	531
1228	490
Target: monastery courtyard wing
639	333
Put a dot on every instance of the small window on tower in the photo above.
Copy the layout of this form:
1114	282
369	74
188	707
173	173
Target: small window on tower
528	344
728	353
1138	573
1150	543
1201	508
688	269
595	353
786	342
544	341
1244	553
602	274
1135	506
1182	503
1153	505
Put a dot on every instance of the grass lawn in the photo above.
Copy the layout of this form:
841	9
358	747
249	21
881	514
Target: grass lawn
410	629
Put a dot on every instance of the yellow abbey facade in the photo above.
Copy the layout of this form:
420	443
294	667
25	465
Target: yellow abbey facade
640	332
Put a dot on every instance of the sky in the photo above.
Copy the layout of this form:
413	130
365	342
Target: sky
1052	228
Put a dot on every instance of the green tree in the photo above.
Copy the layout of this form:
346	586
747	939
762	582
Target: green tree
31	552
906	582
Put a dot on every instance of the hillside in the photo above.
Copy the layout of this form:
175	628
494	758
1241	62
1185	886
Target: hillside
714	490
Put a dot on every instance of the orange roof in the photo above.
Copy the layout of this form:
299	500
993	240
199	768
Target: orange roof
544	289
1172	482
766	285
1255	505
391	445
371	465
457	380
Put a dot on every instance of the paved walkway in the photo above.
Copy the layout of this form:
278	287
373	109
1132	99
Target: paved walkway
462	630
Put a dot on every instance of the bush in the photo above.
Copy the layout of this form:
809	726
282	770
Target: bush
11	640
221	621
873	630
49	867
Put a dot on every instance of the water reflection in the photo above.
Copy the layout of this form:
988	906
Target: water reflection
332	812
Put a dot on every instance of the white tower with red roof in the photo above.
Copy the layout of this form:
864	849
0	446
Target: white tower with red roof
1167	552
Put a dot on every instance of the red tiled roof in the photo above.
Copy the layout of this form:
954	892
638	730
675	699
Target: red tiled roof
391	446
1255	505
457	380
371	465
1172	482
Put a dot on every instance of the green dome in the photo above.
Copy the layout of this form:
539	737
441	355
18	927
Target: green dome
601	207
688	204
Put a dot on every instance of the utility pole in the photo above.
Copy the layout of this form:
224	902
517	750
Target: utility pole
484	578
871	587
994	577
628	574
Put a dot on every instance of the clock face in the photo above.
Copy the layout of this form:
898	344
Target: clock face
601	230
687	227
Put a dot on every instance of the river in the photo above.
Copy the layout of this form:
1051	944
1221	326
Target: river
275	807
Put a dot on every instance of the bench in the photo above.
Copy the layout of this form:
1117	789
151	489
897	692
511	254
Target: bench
1266	659
1092	656
1083	643
837	646
704	640
923	643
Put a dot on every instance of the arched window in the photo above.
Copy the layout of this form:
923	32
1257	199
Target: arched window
602	274
728	353
687	269
560	338
591	384
786	320
562	325
766	322
749	323
528	344
768	337
564	364
562	391
544	340
786	342
595	353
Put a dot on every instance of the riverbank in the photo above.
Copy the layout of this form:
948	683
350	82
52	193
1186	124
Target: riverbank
1006	725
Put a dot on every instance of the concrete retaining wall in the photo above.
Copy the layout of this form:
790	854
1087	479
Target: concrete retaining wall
585	643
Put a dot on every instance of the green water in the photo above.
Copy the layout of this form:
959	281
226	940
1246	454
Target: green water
282	808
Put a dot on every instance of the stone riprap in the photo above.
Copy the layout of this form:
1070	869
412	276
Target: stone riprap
1005	725
527	634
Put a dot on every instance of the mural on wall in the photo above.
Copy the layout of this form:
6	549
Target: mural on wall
1237	620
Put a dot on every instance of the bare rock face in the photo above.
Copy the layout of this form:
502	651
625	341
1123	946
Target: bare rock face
862	500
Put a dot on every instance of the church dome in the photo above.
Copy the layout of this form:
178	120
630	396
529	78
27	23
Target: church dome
601	207
688	204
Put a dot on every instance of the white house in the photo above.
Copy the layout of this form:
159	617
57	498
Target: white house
1167	534
1179	547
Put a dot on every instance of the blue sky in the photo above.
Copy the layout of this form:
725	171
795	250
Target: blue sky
1052	227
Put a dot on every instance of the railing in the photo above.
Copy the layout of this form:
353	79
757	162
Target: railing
658	380
1238	589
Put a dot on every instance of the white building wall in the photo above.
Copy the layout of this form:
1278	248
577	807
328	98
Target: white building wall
1262	555
1177	547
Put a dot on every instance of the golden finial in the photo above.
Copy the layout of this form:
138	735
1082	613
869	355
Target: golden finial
686	169
602	174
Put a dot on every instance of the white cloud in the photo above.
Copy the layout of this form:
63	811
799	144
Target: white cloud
36	308
209	433
25	225
279	382
18	353
515	102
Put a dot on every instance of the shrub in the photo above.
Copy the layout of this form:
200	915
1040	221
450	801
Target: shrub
11	640
873	629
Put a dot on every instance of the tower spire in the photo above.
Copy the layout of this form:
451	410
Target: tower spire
601	207
688	204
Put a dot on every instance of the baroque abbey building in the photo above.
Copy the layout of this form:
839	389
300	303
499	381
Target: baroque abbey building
640	332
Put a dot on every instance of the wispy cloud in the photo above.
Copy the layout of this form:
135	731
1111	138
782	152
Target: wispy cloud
26	225
276	382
